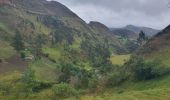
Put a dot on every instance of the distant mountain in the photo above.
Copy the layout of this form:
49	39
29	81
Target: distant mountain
132	32
124	33
149	31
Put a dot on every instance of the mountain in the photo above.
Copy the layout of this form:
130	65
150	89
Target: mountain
48	52
41	16
132	32
124	33
137	29
51	31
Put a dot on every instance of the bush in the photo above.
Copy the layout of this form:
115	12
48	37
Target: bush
64	90
23	55
147	70
115	79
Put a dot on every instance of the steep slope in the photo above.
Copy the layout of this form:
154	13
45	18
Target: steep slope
51	20
158	47
104	32
118	43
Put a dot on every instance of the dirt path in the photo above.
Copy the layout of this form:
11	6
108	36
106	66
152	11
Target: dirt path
14	63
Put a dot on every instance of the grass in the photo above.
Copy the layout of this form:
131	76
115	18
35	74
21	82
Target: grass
163	56
156	89
4	28
132	95
119	59
45	70
6	51
54	53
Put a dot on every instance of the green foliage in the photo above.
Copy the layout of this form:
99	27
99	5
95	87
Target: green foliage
29	79
115	79
31	84
18	43
28	76
37	45
98	53
50	21
142	38
23	54
147	70
62	33
63	90
68	70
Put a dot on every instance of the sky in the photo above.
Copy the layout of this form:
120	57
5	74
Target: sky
119	13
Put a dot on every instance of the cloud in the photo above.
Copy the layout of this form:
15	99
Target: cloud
118	13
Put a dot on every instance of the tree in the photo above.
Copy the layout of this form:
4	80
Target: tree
142	38
39	41
18	43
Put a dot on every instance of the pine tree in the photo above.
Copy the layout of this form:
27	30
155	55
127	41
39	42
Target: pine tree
142	38
18	43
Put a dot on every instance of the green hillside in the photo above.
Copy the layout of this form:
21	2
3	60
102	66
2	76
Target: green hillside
48	53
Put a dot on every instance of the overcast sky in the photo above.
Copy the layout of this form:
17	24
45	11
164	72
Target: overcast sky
118	13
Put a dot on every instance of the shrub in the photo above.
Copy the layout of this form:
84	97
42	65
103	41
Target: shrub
23	55
115	79
143	70
64	90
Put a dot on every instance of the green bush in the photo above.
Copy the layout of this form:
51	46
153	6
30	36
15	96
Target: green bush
64	90
115	79
23	55
146	70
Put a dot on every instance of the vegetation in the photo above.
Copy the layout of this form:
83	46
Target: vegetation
142	38
74	60
64	91
119	59
18	43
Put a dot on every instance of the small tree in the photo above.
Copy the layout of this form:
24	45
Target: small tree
39	41
142	38
18	43
29	80
63	90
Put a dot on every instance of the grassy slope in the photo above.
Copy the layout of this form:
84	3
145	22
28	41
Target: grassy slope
6	51
131	91
157	89
45	70
163	56
119	59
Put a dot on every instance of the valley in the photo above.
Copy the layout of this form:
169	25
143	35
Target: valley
47	52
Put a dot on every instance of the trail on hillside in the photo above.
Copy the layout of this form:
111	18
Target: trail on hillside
14	63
